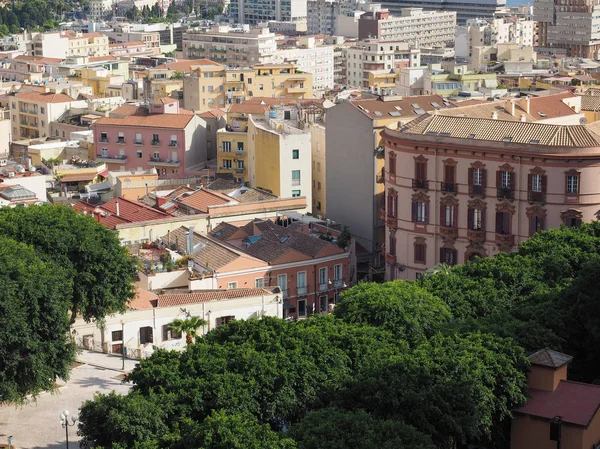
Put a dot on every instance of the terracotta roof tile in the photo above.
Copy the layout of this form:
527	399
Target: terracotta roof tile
202	198
180	299
213	113
132	211
143	300
590	102
172	121
551	106
403	107
184	65
44	97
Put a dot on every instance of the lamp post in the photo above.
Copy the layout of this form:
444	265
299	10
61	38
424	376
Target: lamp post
64	421
122	345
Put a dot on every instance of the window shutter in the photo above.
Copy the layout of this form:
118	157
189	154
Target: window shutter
426	213
483	177
498	222
442	254
544	183
414	212
542	223
449	174
455	216
506	224
470	218
513	182
483	213
498	179
443	215
566	184
531	224
529	182
470	177
165	332
394	206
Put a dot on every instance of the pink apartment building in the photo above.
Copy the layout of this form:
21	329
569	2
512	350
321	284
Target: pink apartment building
160	136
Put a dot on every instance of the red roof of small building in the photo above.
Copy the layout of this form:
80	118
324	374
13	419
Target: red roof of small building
201	199
44	97
174	121
575	402
180	299
132	211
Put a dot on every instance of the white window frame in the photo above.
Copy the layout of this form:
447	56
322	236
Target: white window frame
421	212
302	286
226	146
283	286
259	282
536	183
506	179
323	279
572	184
232	285
478	176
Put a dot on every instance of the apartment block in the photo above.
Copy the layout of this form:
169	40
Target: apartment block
48	45
127	33
214	86
161	137
234	47
458	188
101	10
86	44
310	58
32	112
253	12
379	57
572	27
464	10
322	15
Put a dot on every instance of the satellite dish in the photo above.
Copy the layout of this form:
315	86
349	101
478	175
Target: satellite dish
583	121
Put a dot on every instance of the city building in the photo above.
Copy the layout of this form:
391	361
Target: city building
463	187
465	10
161	136
86	44
354	170
252	12
145	325
456	79
214	86
558	412
48	45
573	28
215	120
376	58
32	112
322	15
101	10
413	25
126	33
234	47
311	58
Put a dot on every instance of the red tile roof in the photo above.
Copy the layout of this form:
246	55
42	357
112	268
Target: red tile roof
403	107
184	65
173	121
551	106
575	402
212	113
44	97
201	199
143	300
129	109
132	211
101	216
180	299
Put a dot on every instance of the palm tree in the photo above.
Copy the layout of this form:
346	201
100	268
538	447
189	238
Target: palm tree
190	326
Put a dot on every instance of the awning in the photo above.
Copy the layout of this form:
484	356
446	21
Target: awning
98	186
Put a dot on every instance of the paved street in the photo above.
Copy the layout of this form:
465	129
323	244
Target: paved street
37	425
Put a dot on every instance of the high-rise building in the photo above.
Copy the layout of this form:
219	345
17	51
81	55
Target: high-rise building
573	27
465	9
253	12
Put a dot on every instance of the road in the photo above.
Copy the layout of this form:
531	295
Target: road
37	425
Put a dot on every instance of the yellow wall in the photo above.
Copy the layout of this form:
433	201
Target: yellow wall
266	150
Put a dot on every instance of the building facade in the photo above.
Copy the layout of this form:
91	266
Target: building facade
460	187
231	47
465	9
252	12
413	25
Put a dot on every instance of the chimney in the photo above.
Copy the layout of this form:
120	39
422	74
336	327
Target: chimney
146	189
525	103
189	242
495	115
547	369
117	208
523	118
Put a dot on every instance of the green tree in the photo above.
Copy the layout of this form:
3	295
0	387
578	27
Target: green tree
34	325
189	326
99	267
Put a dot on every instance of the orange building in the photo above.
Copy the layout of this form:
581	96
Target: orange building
559	413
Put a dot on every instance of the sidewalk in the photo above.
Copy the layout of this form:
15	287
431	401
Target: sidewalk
107	361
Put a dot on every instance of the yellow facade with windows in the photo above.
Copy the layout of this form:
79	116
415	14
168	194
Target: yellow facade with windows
232	147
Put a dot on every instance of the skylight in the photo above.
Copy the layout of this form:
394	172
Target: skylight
395	114
507	139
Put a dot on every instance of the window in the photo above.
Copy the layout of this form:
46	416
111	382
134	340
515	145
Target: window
138	138
286	114
392	245
504	184
146	335
448	215
227	164
295	193
392	164
103	137
240	147
536	183
420	251
173	141
505	179
302	307
232	285
295	177
323	279
503	222
295	154
260	87
121	138
224	319
139	154
226	146
420	212
42	110
448	256
392	203
478	176
318	166
155	139
536	224
449	177
573	184
282	283
259	282
168	334
301	283
117	335
323	304
420	179
240	164
475	219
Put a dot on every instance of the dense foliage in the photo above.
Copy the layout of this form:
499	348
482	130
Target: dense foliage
434	363
31	15
55	264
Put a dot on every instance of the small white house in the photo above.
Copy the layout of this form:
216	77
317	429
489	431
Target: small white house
145	324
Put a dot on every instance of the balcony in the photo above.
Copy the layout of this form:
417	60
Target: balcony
121	140
297	90
420	184
448	187
323	287
449	232
173	143
338	283
284	293
476	235
295	182
138	142
507	240
391	222
28	111
380	178
119	159
225	167
536	197
240	153
164	162
303	290
155	143
505	193
475	190
239	171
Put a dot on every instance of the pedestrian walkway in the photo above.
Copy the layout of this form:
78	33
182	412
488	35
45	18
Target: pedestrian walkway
107	361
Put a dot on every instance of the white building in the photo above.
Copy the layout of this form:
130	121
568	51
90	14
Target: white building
48	45
481	33
101	9
362	58
309	58
235	47
145	323
253	12
32	112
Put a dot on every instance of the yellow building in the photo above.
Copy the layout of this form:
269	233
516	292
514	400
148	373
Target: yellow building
100	77
232	141
211	86
382	79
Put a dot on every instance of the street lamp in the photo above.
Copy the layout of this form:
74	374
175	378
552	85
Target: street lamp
64	421
122	345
